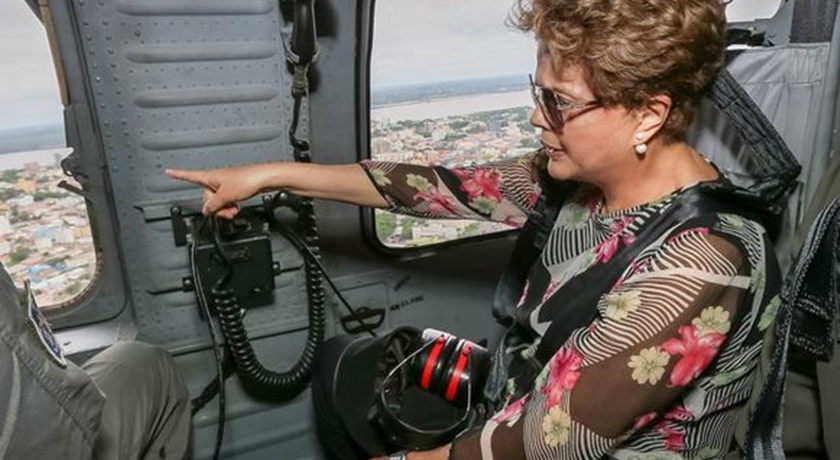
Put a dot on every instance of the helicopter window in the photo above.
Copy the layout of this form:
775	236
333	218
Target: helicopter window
45	235
450	92
749	10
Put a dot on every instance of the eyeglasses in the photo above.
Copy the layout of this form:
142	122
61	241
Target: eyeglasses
552	106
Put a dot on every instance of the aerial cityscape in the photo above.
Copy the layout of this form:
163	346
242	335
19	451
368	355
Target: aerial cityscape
449	141
45	235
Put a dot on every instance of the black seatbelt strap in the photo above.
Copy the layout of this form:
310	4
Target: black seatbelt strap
777	166
529	246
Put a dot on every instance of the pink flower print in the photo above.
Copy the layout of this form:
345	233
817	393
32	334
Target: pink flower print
481	183
564	372
521	301
620	225
697	350
679	413
605	249
512	412
532	199
514	221
642	420
674	440
437	202
636	268
701	230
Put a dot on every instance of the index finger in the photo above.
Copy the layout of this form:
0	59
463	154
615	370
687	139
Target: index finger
196	177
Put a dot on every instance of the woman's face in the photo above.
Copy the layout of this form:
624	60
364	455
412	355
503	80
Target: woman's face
594	143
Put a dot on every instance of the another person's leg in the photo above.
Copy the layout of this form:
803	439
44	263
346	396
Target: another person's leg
333	435
147	412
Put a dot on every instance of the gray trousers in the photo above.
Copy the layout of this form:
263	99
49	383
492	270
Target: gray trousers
127	403
146	415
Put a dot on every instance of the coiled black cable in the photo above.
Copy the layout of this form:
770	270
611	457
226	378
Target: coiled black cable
255	378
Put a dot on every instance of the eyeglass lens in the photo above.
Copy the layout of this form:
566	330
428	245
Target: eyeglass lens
547	103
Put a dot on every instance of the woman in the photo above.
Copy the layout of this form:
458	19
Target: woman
667	364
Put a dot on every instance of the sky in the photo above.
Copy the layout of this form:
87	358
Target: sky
415	41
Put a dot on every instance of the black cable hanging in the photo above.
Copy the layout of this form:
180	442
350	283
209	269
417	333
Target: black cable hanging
255	378
218	384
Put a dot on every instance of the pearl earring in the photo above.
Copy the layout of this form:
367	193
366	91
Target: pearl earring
641	148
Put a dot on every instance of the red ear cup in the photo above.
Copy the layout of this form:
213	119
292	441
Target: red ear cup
439	379
441	364
446	366
457	377
429	361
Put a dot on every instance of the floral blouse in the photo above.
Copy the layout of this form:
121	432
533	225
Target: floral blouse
666	366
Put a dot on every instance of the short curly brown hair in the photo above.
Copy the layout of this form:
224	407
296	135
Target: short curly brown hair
633	49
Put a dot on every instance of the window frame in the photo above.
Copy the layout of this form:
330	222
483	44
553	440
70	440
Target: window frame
105	298
365	41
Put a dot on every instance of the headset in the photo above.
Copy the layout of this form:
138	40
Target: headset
452	369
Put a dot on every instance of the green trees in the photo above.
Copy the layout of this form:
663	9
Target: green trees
19	254
386	223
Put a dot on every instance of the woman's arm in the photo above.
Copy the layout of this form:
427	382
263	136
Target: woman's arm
501	192
225	187
438	453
